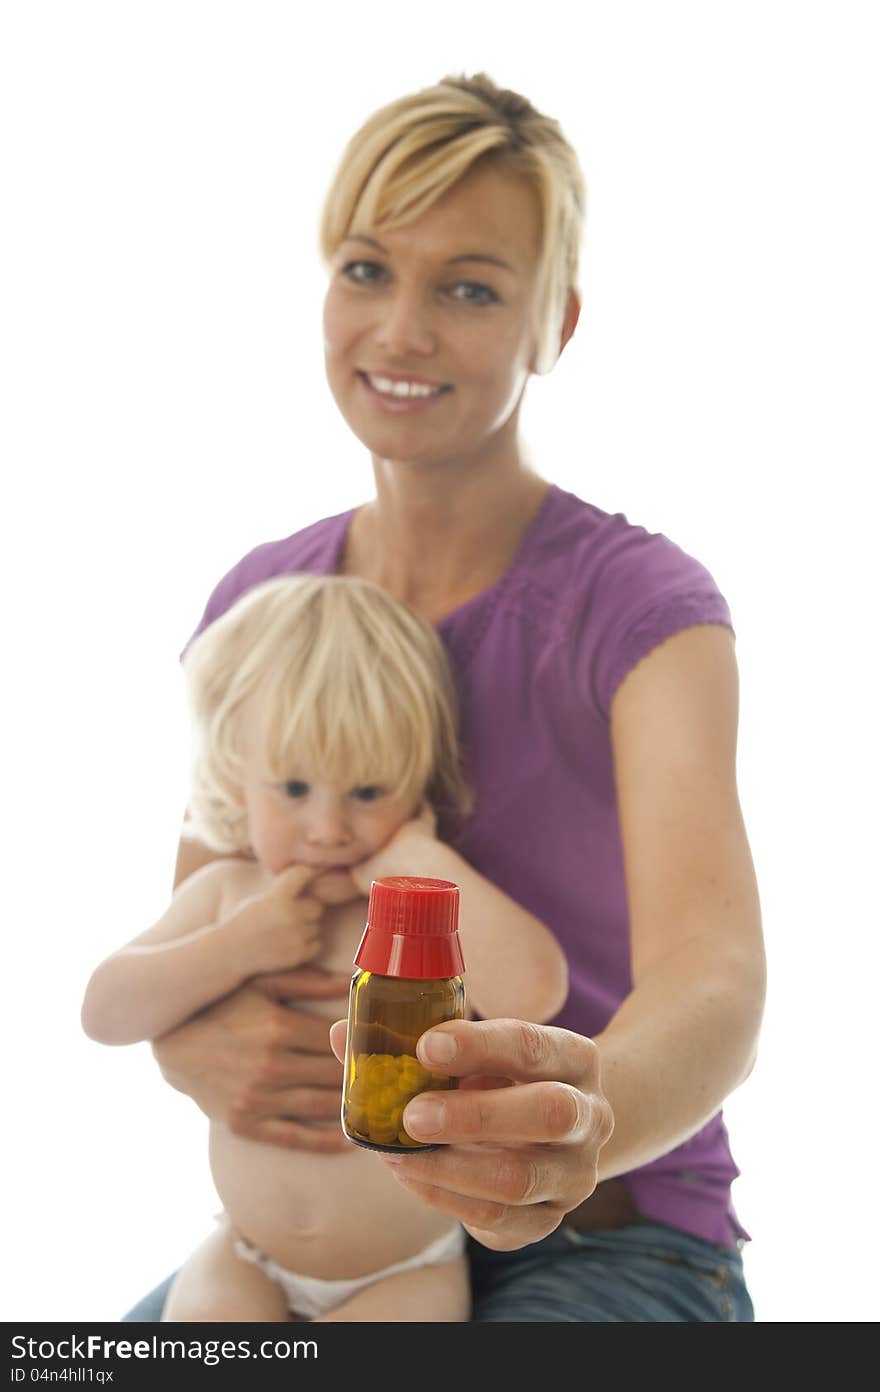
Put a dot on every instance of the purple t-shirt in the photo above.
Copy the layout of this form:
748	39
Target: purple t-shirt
537	658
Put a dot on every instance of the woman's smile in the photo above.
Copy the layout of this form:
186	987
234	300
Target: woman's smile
401	396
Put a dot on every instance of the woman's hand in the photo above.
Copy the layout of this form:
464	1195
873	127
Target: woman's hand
400	852
521	1134
263	1069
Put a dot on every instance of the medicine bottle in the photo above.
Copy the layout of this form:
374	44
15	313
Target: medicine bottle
408	971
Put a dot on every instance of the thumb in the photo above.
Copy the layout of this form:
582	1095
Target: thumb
290	883
337	1038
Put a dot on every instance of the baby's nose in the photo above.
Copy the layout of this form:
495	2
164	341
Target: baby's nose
329	827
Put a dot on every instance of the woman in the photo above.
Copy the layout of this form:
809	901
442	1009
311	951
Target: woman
596	673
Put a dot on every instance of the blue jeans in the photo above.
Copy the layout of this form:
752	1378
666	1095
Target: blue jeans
645	1273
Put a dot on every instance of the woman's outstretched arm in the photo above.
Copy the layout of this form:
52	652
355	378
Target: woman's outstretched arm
543	1114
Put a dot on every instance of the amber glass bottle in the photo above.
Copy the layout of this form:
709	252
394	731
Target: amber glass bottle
408	971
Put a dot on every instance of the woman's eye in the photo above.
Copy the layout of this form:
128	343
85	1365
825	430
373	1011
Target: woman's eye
295	788
372	273
484	294
368	793
352	267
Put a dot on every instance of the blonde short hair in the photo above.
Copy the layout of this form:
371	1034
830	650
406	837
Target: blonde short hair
326	670
409	153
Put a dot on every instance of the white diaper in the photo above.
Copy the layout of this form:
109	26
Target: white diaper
311	1296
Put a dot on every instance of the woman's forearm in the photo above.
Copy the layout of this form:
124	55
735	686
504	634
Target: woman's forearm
514	965
145	990
680	1043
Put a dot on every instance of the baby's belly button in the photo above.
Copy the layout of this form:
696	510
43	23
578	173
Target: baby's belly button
281	1219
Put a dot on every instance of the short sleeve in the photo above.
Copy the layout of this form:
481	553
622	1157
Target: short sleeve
263	563
221	598
642	590
312	550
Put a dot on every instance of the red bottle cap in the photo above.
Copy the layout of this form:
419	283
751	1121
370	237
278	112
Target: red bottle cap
412	929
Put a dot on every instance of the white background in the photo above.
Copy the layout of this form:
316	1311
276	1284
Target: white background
163	166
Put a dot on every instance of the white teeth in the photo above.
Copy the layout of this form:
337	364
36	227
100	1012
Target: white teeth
389	388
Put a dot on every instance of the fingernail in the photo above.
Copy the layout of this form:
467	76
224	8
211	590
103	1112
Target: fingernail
424	1117
438	1048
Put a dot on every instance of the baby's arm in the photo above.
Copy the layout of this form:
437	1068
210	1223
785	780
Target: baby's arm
199	952
514	965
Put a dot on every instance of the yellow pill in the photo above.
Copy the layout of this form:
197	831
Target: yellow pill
382	1135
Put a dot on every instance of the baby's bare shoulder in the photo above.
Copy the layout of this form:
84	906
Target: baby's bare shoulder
235	879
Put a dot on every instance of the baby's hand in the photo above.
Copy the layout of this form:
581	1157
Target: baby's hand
424	823
400	854
280	928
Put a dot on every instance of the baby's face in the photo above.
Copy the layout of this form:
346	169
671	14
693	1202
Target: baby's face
313	821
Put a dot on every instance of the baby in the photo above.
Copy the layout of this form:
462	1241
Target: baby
325	738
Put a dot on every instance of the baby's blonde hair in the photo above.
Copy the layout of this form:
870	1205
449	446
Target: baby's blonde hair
409	153
329	671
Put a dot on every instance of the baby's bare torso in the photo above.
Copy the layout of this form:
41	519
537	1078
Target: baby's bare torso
332	1216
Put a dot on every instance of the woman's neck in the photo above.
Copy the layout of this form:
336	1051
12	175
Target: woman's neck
434	538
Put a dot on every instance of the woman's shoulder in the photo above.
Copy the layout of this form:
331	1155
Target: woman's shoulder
584	549
314	548
603	591
311	548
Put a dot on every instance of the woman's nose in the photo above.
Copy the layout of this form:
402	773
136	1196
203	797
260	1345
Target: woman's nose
404	326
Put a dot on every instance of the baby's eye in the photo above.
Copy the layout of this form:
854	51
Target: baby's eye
370	792
295	788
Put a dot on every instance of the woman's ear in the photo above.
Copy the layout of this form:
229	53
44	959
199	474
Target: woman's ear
570	318
569	323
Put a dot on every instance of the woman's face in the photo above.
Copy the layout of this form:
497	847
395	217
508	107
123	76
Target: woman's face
444	303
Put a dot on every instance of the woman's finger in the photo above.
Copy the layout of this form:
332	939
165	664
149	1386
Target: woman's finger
338	1032
279	1131
303	981
500	1049
306	1103
495	1225
510	1048
289	1102
506	1176
298	1031
532	1112
275	1070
